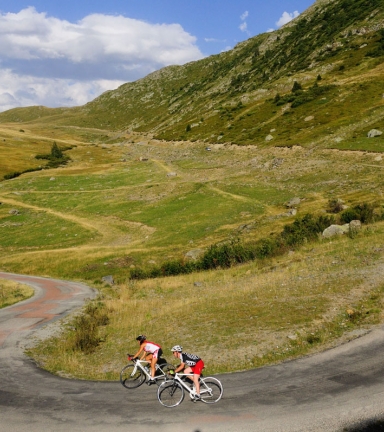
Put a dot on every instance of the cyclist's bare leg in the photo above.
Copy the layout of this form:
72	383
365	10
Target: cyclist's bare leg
195	379
152	360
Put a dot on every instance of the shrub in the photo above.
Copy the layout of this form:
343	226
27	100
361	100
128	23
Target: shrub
12	175
296	87
365	213
305	229
335	206
86	336
86	327
56	157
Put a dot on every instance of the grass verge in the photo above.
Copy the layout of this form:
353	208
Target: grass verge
13	292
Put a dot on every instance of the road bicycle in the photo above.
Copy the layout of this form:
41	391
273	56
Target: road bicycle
171	392
136	373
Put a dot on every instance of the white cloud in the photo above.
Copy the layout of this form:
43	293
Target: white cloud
243	27
244	16
286	18
47	61
25	90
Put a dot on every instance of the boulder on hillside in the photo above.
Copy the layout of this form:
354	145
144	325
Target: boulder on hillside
335	230
194	254
294	202
374	133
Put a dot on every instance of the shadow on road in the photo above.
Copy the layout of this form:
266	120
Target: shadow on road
367	426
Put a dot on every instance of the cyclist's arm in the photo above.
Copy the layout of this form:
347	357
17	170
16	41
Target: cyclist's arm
180	367
138	352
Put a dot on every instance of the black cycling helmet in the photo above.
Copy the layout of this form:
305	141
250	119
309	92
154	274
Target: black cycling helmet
141	338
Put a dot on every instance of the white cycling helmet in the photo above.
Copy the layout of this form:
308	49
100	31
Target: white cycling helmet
177	348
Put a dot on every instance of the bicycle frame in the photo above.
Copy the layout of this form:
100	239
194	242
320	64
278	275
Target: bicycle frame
137	371
143	365
192	391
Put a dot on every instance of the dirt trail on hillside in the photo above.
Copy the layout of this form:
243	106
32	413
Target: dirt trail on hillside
229	195
105	229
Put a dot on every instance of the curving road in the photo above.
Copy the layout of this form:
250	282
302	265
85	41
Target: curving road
331	391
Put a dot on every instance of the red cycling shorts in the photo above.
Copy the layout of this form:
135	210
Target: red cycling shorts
198	368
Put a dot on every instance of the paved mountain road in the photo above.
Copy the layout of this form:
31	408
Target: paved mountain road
324	392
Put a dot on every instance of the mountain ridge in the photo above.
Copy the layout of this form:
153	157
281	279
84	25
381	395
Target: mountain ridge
229	97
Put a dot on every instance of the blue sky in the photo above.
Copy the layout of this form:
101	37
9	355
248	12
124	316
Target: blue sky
66	53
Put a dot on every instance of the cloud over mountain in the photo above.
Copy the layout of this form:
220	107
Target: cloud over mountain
59	63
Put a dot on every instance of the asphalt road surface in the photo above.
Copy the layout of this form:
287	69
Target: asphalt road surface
333	391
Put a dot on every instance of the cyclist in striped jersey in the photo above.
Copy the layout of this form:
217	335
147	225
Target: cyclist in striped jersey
191	363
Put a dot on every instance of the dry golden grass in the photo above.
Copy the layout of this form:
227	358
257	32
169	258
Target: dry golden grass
243	317
13	292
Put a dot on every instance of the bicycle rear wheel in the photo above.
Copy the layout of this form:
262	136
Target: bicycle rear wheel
211	390
131	376
170	394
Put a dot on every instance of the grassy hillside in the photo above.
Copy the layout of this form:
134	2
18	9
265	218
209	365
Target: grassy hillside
202	154
334	51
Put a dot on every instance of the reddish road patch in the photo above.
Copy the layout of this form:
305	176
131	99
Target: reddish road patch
49	302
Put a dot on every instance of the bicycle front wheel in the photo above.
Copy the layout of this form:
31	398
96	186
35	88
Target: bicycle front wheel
170	394
211	390
131	376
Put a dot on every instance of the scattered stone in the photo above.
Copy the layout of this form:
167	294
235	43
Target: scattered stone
269	137
171	174
355	225
108	280
52	179
197	284
14	212
277	162
291	212
194	254
246	227
374	133
309	118
294	202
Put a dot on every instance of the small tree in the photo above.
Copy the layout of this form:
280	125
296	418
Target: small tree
56	152
296	87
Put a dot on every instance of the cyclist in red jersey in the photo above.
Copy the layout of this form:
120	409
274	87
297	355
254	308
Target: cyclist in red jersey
150	351
190	363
